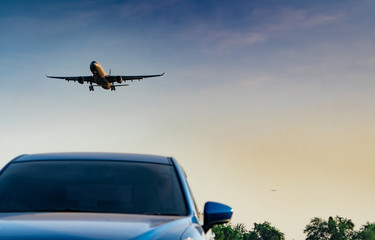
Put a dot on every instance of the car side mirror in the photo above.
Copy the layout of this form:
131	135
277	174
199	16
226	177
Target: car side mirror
216	213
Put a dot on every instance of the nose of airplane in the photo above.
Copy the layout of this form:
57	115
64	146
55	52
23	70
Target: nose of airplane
93	67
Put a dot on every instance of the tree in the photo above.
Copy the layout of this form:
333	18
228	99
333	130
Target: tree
264	231
317	229
229	232
367	232
337	228
340	228
261	231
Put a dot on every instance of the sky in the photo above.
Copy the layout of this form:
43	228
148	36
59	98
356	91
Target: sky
257	96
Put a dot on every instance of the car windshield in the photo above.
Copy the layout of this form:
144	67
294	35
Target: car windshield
91	186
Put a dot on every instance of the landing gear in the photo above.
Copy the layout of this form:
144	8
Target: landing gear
113	88
91	88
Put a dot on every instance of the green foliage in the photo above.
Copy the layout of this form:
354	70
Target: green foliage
261	231
317	229
229	232
264	231
340	228
367	232
337	228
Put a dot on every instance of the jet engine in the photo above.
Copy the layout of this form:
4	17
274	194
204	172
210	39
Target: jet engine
81	80
119	79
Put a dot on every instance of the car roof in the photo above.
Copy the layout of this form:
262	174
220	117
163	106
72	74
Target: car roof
128	157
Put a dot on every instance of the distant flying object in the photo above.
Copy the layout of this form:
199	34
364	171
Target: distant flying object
100	78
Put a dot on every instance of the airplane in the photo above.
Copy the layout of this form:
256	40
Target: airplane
100	78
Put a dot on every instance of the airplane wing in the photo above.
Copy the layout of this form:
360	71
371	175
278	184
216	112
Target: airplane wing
80	79
114	78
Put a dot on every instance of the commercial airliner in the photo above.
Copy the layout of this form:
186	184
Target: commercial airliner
100	78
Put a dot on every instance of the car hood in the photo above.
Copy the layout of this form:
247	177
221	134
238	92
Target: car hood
90	226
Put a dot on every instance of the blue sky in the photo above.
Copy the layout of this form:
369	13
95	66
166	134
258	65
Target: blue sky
258	95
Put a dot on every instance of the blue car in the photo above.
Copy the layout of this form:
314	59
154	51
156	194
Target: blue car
101	196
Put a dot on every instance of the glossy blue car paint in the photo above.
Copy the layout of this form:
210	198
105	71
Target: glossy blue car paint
84	225
216	213
129	157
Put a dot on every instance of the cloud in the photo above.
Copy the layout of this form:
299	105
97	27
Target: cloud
222	40
227	40
289	19
218	34
142	9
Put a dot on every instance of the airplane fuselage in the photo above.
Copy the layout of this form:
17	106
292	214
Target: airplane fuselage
99	75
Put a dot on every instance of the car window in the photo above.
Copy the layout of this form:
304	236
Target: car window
91	186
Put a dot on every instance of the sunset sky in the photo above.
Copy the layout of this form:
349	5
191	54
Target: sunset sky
257	96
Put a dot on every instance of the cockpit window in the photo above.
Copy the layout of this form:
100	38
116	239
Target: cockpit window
91	186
